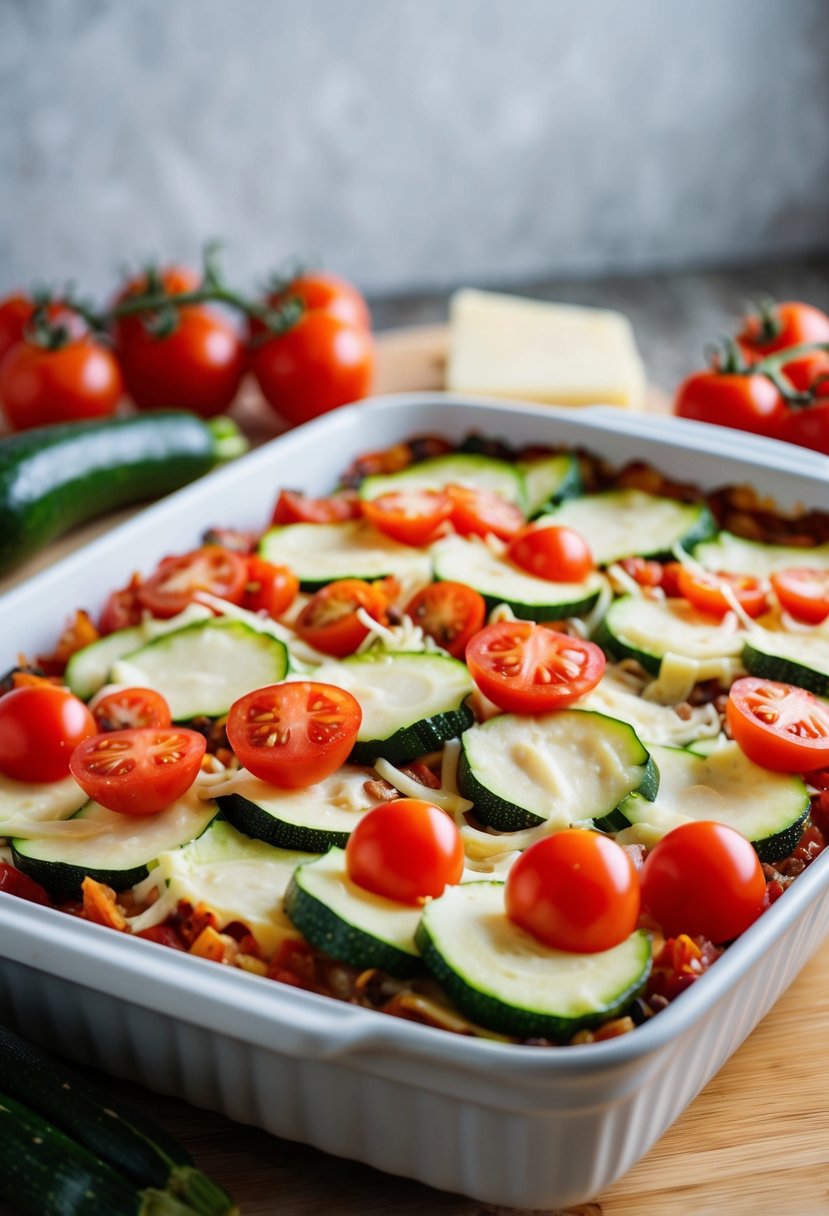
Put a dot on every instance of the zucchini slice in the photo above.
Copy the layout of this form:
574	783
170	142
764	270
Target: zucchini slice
768	808
203	668
792	658
502	978
739	556
566	767
549	480
458	468
647	630
24	805
411	703
632	523
111	848
501	582
653	722
321	553
349	923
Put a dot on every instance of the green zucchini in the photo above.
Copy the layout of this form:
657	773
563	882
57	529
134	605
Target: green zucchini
638	628
121	1139
322	553
740	556
628	523
550	479
457	468
792	658
56	477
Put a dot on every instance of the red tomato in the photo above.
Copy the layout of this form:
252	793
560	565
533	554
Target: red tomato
329	621
779	726
705	591
141	771
321	290
14	882
643	570
703	879
526	668
295	508
803	591
778	326
122	608
128	708
559	554
744	402
40	724
269	588
15	313
808	427
318	364
296	734
481	512
413	517
808	372
407	850
576	891
177	580
449	613
39	386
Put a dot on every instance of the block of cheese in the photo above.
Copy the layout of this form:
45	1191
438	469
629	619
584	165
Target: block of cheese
559	354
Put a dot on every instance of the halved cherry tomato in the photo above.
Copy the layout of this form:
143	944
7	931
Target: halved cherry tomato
141	771
779	726
778	326
15	882
449	613
705	591
294	734
649	573
122	608
477	512
271	589
703	879
575	890
526	668
745	402
329	621
413	517
176	581
295	508
407	850
40	725
559	554
803	591
128	708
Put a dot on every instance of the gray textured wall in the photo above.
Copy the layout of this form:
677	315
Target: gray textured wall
411	144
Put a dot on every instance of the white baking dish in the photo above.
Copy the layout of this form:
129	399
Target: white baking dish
527	1127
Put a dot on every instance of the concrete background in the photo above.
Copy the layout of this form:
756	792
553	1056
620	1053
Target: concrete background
412	145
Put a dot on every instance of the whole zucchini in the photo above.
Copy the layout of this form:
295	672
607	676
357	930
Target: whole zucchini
53	478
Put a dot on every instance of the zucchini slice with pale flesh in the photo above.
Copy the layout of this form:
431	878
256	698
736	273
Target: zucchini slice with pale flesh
640	628
791	658
322	553
24	804
572	766
459	468
740	556
502	978
550	479
632	523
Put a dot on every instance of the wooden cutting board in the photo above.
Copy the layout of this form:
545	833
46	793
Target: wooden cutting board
755	1141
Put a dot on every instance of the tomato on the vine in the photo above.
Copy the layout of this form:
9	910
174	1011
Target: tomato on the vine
15	313
413	517
550	551
703	879
809	373
741	401
526	668
774	327
576	891
330	622
294	734
269	588
140	771
712	592
808	426
41	385
322	290
803	591
450	613
407	850
481	512
128	708
779	726
40	725
293	507
176	581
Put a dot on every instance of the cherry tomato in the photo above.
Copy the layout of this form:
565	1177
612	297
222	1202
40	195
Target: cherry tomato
478	512
296	734
40	386
526	668
803	591
177	580
809	372
809	427
295	508
318	364
40	725
128	708
779	326
576	891
705	591
269	588
744	402
321	290
449	613
559	554
779	726
407	850
643	570
413	517
15	882
703	879
141	771
15	313
329	621
122	608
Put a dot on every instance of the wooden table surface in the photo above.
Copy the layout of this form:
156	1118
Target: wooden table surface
756	1140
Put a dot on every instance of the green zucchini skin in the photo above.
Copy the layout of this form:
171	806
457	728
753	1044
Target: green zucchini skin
53	478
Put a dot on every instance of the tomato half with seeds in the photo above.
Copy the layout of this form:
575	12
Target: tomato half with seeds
712	593
141	771
552	552
330	621
176	581
128	708
407	850
526	668
270	588
449	613
296	734
779	726
292	507
40	726
480	512
413	517
803	591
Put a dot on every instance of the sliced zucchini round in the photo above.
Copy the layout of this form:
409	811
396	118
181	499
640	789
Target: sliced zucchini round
457	468
570	766
550	479
502	978
321	553
630	523
792	658
501	582
653	722
25	804
349	923
411	703
740	556
645	629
